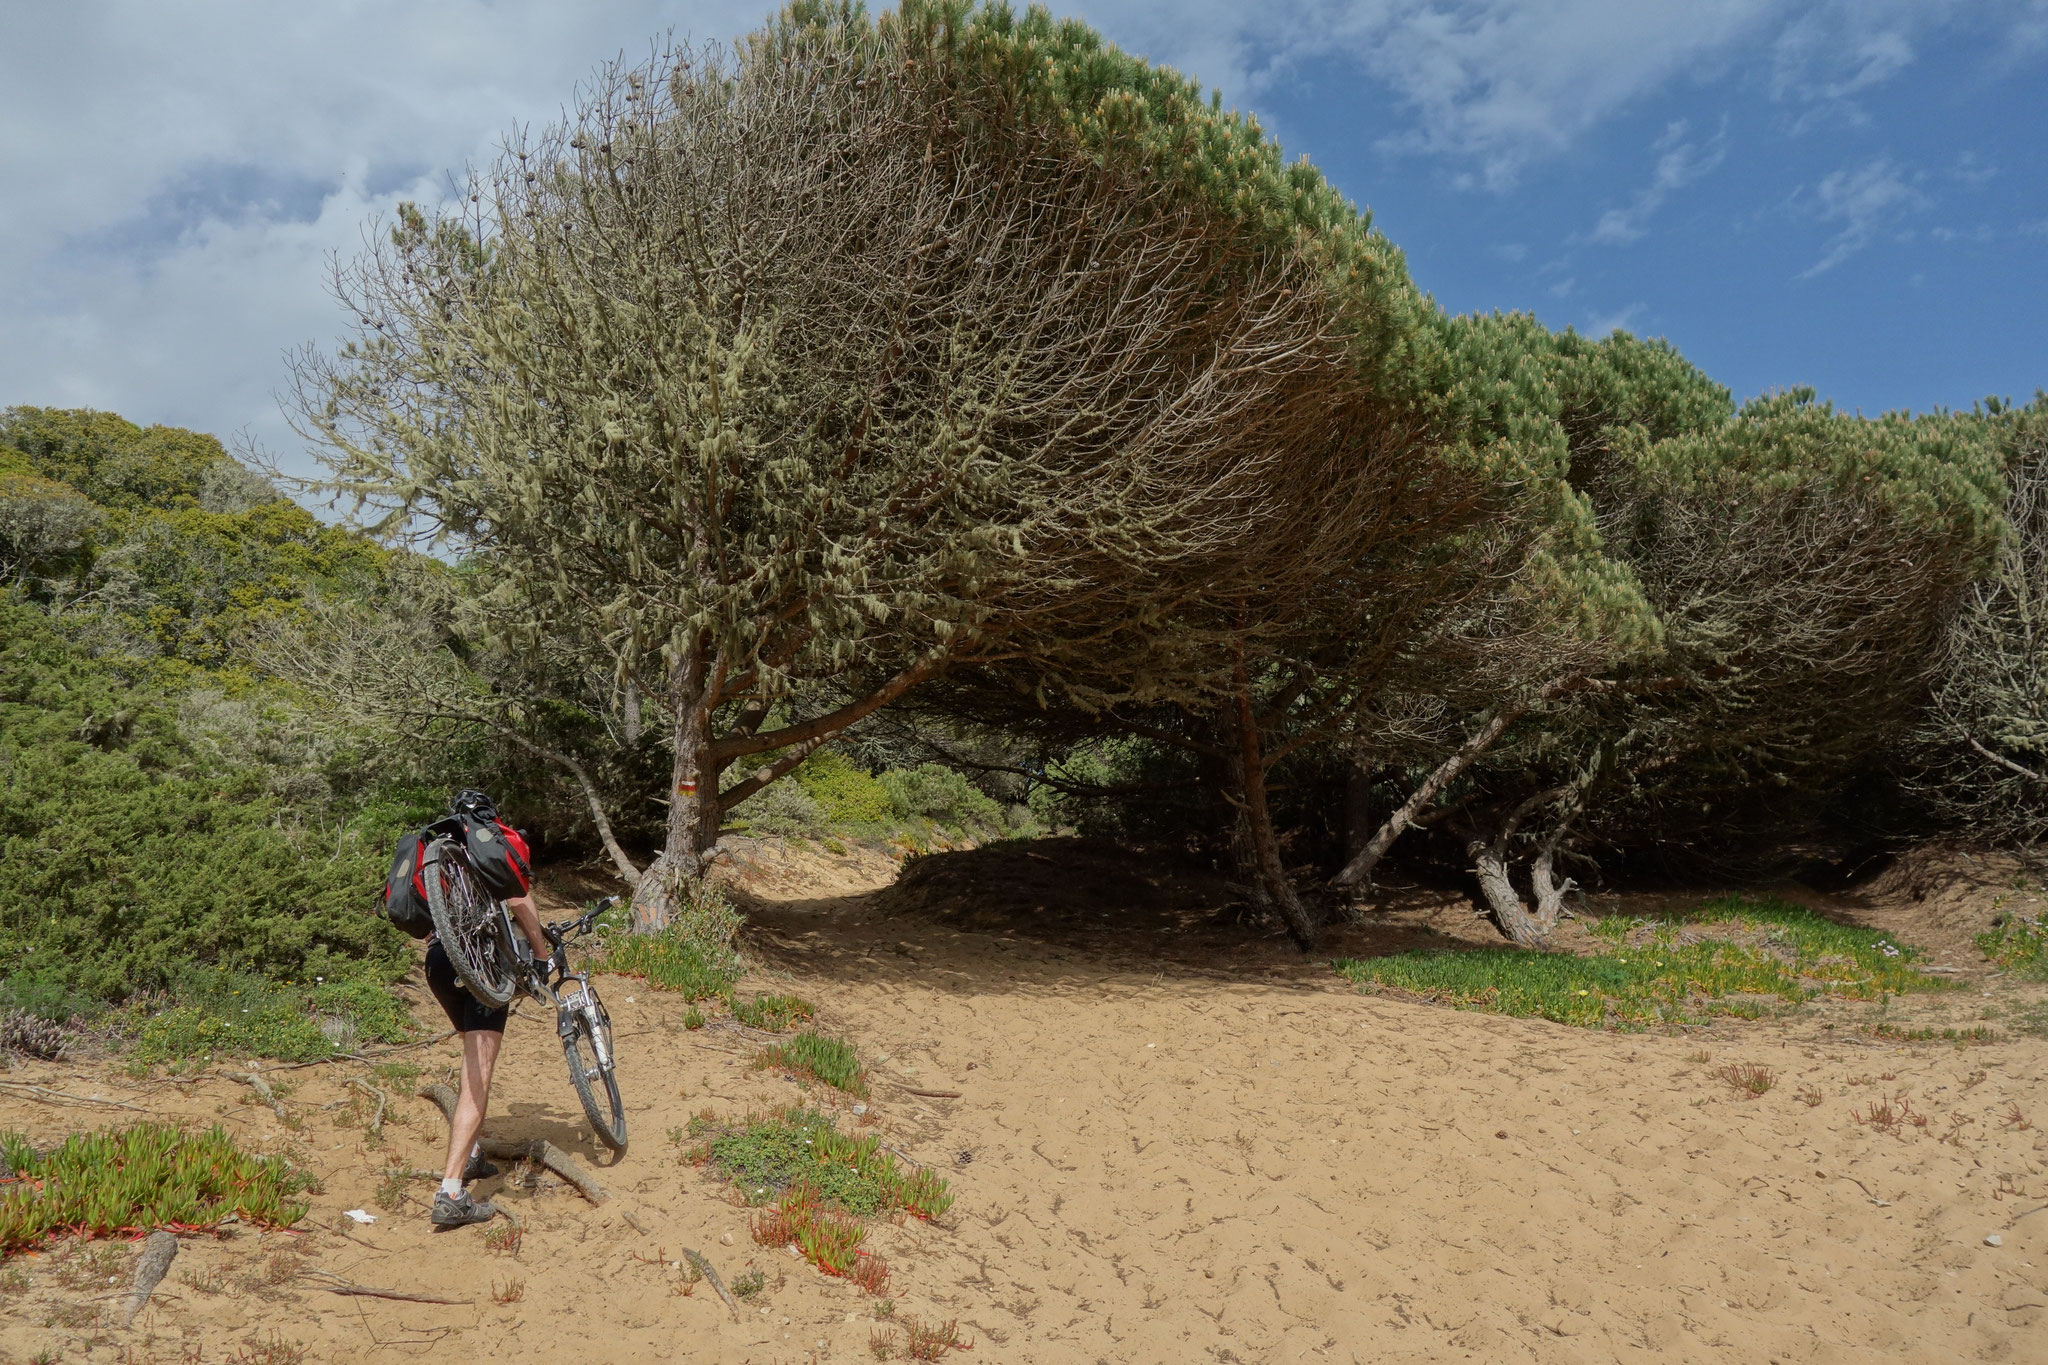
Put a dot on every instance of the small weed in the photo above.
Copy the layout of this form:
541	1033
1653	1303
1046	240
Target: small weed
1753	1077
505	1239
1956	1123
214	1281
748	1285
931	1340
71	1315
2018	944
1978	1036
511	1291
883	1308
1887	1115
1810	1096
693	1018
882	1344
46	1356
870	1273
1701	1058
400	1077
91	1267
1975	1079
280	1269
821	1058
276	1351
772	1012
13	1280
2013	1118
390	1195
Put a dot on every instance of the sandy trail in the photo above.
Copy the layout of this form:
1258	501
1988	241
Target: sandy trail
1171	1156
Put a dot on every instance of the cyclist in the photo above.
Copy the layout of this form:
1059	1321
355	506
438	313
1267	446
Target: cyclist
483	1032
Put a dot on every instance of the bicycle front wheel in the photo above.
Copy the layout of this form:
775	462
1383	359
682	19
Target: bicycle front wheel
592	1073
470	925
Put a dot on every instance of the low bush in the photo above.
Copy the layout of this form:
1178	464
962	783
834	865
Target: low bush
1733	957
849	798
776	1012
2018	944
944	797
237	1014
766	1156
697	955
138	1179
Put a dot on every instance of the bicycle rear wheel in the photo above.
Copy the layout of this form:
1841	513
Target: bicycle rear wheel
470	925
592	1073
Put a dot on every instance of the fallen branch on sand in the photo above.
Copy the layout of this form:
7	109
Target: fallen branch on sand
150	1267
47	1096
539	1149
364	1291
931	1094
704	1268
263	1091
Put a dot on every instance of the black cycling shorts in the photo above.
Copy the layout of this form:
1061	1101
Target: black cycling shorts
465	1012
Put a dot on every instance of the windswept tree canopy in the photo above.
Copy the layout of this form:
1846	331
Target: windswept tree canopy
865	351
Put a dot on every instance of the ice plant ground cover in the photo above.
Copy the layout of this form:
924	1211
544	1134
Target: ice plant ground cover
1732	956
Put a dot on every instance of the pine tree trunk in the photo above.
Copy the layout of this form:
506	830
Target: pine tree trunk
1259	846
1490	866
694	811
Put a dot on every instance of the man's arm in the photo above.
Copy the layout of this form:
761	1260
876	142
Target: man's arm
529	923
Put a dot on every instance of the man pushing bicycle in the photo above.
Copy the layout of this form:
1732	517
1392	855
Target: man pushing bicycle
463	880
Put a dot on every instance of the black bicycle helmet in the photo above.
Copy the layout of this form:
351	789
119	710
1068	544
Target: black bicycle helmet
474	803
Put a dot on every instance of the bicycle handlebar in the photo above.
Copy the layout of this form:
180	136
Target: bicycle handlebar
562	930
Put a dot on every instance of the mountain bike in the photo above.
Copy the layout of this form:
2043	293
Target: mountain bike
583	1026
494	963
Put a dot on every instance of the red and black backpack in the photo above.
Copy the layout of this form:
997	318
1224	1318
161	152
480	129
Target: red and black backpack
499	854
405	891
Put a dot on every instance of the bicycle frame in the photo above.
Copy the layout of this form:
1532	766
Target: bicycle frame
582	1000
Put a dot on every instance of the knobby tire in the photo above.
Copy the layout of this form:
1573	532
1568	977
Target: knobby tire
607	1114
470	926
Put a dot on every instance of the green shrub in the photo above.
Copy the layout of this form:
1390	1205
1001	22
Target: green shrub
849	798
122	850
138	1179
237	1014
783	809
943	796
812	1054
2018	944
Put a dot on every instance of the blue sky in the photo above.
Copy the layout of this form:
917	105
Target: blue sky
1847	195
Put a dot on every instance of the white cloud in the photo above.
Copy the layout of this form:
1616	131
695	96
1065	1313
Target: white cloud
1864	201
179	171
1492	84
1621	320
1680	163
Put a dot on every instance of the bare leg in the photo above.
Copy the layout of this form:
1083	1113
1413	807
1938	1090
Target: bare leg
479	1058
